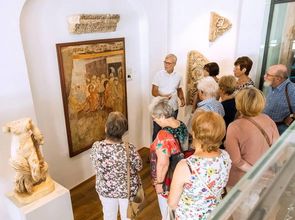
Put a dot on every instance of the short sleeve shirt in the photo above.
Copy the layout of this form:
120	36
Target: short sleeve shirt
165	142
276	102
168	84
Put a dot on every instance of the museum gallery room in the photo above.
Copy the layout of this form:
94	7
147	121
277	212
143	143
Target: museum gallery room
66	65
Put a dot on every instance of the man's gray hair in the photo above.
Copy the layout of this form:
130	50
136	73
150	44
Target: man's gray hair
174	57
208	86
161	108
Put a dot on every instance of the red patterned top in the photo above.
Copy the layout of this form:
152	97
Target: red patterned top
167	144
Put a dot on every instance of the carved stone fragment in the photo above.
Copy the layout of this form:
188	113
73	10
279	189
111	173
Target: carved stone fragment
91	23
31	180
195	64
218	26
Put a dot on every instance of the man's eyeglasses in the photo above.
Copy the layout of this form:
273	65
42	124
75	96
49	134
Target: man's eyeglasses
167	63
269	75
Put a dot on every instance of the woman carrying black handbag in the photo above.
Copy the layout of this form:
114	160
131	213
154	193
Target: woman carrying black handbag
165	151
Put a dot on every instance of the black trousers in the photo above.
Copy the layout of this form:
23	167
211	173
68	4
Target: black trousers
157	128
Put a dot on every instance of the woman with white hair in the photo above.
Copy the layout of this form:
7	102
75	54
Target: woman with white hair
166	150
208	92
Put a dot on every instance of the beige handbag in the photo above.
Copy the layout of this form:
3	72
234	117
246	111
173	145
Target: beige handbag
135	204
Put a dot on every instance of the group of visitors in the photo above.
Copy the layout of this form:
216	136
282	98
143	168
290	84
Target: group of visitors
231	127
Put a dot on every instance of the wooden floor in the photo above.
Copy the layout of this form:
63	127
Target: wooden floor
86	204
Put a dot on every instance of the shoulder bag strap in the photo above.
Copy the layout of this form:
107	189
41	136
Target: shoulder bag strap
288	99
128	168
201	180
189	166
260	128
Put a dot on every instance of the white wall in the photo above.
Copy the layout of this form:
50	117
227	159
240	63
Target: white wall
37	22
251	33
151	29
189	30
153	21
15	93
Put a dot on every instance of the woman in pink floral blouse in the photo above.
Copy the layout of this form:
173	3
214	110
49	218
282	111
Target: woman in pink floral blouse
109	158
198	181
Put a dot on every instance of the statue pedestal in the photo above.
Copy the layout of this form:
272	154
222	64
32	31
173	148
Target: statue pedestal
55	205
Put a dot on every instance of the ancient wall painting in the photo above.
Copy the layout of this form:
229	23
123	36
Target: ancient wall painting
218	26
93	84
195	64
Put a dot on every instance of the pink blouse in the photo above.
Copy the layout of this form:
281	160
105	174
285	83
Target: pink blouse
246	144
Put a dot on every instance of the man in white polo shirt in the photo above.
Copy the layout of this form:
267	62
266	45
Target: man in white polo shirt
166	83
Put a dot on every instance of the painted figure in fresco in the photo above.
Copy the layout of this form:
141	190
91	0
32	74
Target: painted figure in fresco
92	98
101	90
118	95
77	99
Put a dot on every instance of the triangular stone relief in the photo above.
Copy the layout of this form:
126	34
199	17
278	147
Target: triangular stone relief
195	64
218	26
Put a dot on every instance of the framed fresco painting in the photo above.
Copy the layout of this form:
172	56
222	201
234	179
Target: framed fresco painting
93	84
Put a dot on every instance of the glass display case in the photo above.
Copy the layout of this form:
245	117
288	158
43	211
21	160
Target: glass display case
268	190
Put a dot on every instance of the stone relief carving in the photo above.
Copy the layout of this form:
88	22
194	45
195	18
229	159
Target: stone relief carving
286	48
218	26
31	180
91	23
195	64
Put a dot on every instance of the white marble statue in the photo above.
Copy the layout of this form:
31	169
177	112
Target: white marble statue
27	160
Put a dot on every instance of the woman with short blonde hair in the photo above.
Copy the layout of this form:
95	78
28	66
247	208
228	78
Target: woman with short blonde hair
198	181
250	102
227	84
208	130
245	141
